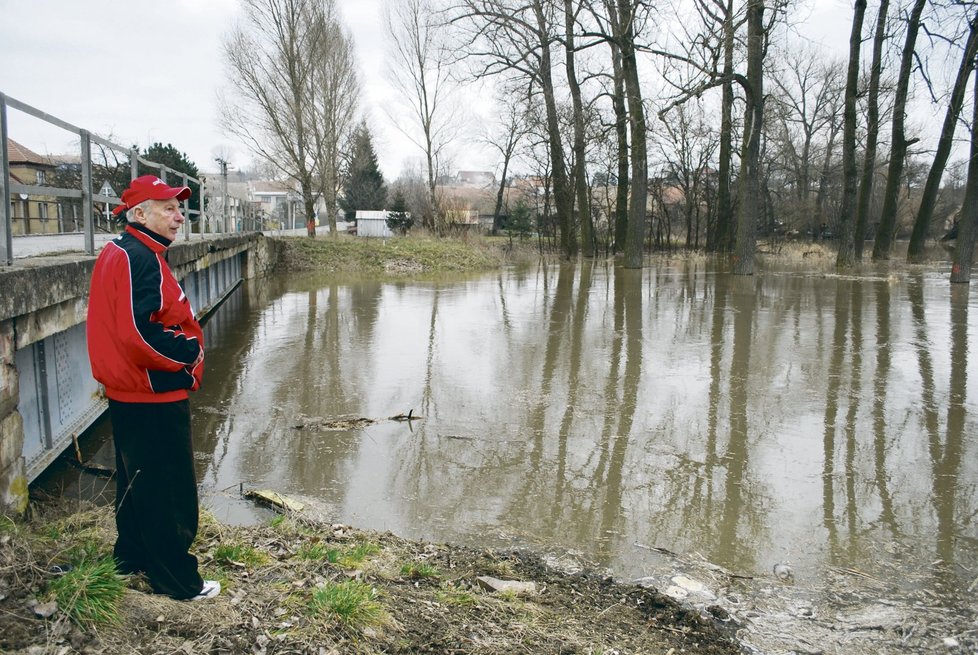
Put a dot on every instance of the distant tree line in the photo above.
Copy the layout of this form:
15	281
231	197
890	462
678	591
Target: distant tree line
700	124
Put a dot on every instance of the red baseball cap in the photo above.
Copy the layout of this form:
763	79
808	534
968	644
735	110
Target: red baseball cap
149	187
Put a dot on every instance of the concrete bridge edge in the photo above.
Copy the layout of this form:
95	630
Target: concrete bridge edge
44	296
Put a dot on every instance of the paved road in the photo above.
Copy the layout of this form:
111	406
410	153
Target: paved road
36	245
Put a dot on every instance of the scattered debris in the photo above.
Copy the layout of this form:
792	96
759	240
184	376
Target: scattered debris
784	572
406	417
496	585
275	499
46	610
318	423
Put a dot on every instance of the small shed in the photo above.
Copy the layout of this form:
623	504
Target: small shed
372	224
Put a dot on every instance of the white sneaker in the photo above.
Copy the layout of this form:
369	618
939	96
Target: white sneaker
211	589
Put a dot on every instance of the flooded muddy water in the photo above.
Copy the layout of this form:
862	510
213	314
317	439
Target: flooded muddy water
825	422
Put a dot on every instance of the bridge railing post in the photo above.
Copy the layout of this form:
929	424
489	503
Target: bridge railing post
86	191
7	226
186	213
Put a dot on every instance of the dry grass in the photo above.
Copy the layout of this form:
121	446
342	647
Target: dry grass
382	594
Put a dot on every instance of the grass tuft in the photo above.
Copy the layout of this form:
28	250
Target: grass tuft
239	554
90	592
318	552
351	603
419	570
351	558
450	595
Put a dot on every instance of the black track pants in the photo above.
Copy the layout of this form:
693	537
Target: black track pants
156	494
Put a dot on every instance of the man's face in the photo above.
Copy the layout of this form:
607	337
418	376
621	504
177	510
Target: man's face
162	217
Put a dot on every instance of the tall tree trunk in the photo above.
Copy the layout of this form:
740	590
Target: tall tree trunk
621	133
846	256
750	178
925	212
872	134
899	143
722	240
563	193
636	122
499	196
580	162
823	176
964	250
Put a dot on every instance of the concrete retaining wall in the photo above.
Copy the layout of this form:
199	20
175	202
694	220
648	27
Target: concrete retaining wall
47	297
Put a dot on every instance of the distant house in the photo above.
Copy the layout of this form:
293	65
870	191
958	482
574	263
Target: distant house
33	213
372	224
280	206
475	178
271	201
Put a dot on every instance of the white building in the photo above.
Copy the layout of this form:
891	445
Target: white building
372	224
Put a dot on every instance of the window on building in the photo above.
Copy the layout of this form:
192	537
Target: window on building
44	210
41	178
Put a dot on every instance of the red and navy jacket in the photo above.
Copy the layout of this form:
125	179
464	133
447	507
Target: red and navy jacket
143	340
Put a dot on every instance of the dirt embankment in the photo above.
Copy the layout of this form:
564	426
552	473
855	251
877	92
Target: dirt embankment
423	598
413	255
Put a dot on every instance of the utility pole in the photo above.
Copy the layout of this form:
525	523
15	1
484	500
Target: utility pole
224	192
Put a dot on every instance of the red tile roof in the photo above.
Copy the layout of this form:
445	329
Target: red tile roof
18	154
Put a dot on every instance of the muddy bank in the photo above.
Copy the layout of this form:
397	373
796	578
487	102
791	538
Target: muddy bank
440	598
430	598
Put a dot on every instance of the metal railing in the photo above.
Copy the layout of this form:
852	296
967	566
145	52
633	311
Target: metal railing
85	194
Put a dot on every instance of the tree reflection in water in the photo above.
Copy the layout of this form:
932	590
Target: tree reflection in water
817	419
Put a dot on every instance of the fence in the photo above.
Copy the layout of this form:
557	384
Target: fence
85	194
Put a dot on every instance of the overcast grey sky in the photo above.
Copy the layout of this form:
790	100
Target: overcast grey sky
142	71
149	70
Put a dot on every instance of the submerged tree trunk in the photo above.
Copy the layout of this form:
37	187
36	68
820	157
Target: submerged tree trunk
928	200
846	256
722	240
899	142
621	134
872	134
563	193
750	178
636	121
964	250
581	189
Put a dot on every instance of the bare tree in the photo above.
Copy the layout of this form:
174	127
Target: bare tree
703	53
623	29
420	74
805	108
579	172
687	146
619	23
278	77
505	136
335	114
872	133
745	241
899	142
621	135
709	50
928	200
515	37
964	251
846	256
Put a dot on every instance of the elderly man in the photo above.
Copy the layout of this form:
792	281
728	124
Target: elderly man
147	349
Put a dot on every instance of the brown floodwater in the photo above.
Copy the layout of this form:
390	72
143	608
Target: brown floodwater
815	419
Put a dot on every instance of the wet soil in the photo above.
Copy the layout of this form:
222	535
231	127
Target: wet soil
264	604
